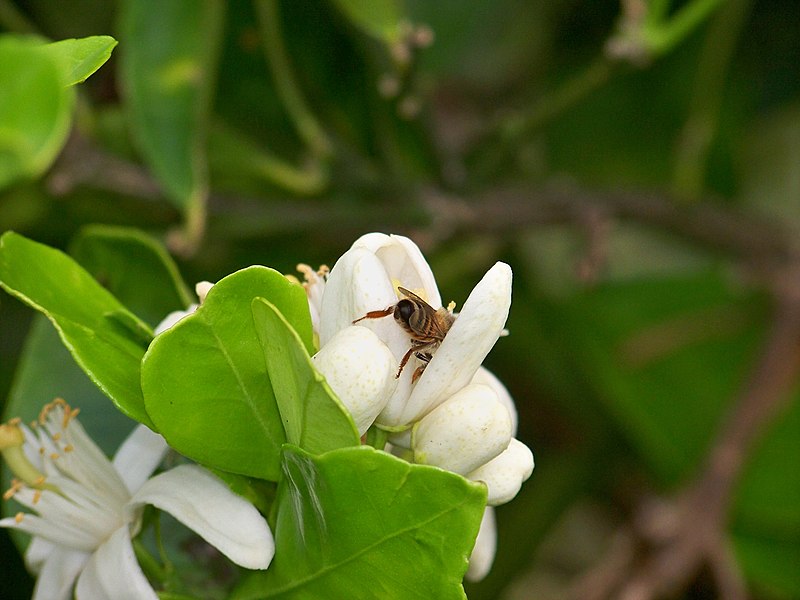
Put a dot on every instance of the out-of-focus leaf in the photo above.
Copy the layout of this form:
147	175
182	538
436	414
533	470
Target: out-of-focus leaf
103	336
358	523
135	267
167	71
205	381
35	108
766	514
665	357
379	18
313	417
80	58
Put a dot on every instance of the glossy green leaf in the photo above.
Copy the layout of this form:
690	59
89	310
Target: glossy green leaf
313	417
80	58
35	108
205	381
47	371
167	74
97	329
358	523
379	18
135	267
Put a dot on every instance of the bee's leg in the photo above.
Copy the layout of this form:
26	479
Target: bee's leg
376	314
403	362
425	357
418	372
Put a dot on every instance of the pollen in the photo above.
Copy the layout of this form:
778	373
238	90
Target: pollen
55	455
37	495
18	517
69	448
56	436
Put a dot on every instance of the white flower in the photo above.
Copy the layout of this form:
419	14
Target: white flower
365	279
89	508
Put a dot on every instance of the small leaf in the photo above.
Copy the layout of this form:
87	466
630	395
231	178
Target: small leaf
54	284
82	57
167	74
35	108
134	267
378	18
313	417
205	382
358	523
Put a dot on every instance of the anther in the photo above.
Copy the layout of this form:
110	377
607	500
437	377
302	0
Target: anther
18	517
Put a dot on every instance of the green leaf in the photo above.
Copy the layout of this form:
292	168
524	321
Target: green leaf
47	371
135	267
766	511
167	75
358	523
378	18
82	57
86	315
664	356
313	417
35	108
205	382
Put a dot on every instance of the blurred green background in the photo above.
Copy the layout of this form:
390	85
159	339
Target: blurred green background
636	163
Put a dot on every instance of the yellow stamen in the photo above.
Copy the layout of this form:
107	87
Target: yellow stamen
16	485
18	517
69	448
55	455
37	495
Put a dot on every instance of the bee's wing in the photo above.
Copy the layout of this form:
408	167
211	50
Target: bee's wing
413	296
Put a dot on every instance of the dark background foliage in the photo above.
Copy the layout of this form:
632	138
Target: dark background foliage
641	178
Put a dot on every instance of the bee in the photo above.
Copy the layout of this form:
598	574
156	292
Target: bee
426	325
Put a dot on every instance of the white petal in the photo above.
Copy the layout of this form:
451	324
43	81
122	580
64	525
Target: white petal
58	573
202	288
463	433
505	474
204	504
482	557
172	318
486	377
112	572
61	532
138	457
360	369
37	552
466	345
404	263
357	284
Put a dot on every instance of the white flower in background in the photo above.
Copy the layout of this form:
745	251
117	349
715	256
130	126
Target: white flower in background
89	508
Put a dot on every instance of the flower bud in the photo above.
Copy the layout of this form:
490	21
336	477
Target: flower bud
505	474
466	431
360	369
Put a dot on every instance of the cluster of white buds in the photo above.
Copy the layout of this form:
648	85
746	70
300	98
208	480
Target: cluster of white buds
398	363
